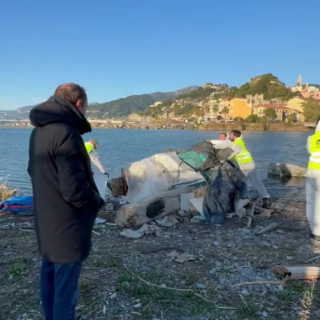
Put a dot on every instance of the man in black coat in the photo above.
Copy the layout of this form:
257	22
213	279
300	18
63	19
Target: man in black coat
66	199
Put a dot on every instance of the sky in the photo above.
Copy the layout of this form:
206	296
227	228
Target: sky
117	48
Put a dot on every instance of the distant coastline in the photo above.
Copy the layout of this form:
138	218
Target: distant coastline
259	127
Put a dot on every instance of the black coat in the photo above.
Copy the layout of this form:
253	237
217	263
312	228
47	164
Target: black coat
66	198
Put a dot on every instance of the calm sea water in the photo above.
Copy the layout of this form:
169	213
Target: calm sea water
118	148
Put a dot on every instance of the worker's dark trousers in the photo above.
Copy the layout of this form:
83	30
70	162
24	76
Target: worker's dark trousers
59	289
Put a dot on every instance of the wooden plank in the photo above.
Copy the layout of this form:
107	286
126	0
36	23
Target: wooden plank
136	214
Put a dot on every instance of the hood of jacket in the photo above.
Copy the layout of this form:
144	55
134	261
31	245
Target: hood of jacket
59	110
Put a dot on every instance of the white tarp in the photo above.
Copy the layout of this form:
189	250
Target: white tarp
157	174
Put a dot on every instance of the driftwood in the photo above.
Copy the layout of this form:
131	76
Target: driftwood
250	217
136	214
268	228
299	272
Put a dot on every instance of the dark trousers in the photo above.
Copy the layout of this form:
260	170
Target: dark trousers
59	289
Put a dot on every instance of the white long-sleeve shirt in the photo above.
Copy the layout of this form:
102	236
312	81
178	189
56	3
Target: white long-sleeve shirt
227	144
96	161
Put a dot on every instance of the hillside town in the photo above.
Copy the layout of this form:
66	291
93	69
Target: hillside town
210	103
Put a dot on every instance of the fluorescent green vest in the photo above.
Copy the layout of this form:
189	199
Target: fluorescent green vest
314	149
89	147
244	156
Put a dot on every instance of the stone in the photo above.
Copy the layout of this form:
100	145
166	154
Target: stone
279	231
213	271
286	170
218	264
264	314
289	258
216	243
113	296
245	292
138	305
200	286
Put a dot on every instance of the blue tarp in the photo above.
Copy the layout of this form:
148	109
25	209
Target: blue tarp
22	204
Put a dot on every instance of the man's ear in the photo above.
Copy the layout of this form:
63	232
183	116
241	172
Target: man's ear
80	105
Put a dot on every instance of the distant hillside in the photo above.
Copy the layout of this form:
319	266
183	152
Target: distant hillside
117	108
268	85
133	104
187	104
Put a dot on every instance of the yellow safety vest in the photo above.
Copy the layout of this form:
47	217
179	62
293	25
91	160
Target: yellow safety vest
89	147
244	156
314	149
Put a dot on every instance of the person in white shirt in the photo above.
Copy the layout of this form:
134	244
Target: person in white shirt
91	147
245	162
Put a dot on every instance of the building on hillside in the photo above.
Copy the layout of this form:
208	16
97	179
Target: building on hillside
296	104
282	112
298	87
314	93
239	108
255	100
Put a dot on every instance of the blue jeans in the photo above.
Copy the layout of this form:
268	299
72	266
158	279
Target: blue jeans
59	289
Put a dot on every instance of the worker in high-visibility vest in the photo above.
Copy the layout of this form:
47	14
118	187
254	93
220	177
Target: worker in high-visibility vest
313	186
91	147
244	160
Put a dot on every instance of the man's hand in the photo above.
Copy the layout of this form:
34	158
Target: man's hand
106	174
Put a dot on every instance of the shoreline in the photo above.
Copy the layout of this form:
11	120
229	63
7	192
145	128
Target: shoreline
204	127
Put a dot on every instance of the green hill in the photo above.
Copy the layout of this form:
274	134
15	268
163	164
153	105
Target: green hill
132	104
268	85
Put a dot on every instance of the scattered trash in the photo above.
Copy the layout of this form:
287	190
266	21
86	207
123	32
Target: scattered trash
299	272
99	221
167	221
145	229
181	258
268	228
7	225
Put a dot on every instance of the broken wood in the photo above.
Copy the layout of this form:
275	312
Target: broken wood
299	272
274	283
148	283
136	214
250	217
268	228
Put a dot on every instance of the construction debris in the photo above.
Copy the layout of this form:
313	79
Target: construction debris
145	229
299	272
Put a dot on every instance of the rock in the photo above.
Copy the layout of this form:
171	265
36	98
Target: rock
216	243
280	288
138	305
113	296
286	170
163	285
245	292
200	286
280	231
244	231
213	271
289	258
264	314
218	264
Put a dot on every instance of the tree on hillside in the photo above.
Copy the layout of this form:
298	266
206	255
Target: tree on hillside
215	109
270	114
311	109
225	111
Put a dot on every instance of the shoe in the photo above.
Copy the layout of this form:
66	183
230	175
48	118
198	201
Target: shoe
266	203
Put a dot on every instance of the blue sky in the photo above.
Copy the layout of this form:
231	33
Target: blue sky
116	48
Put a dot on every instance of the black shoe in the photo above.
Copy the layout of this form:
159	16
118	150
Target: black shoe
266	203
